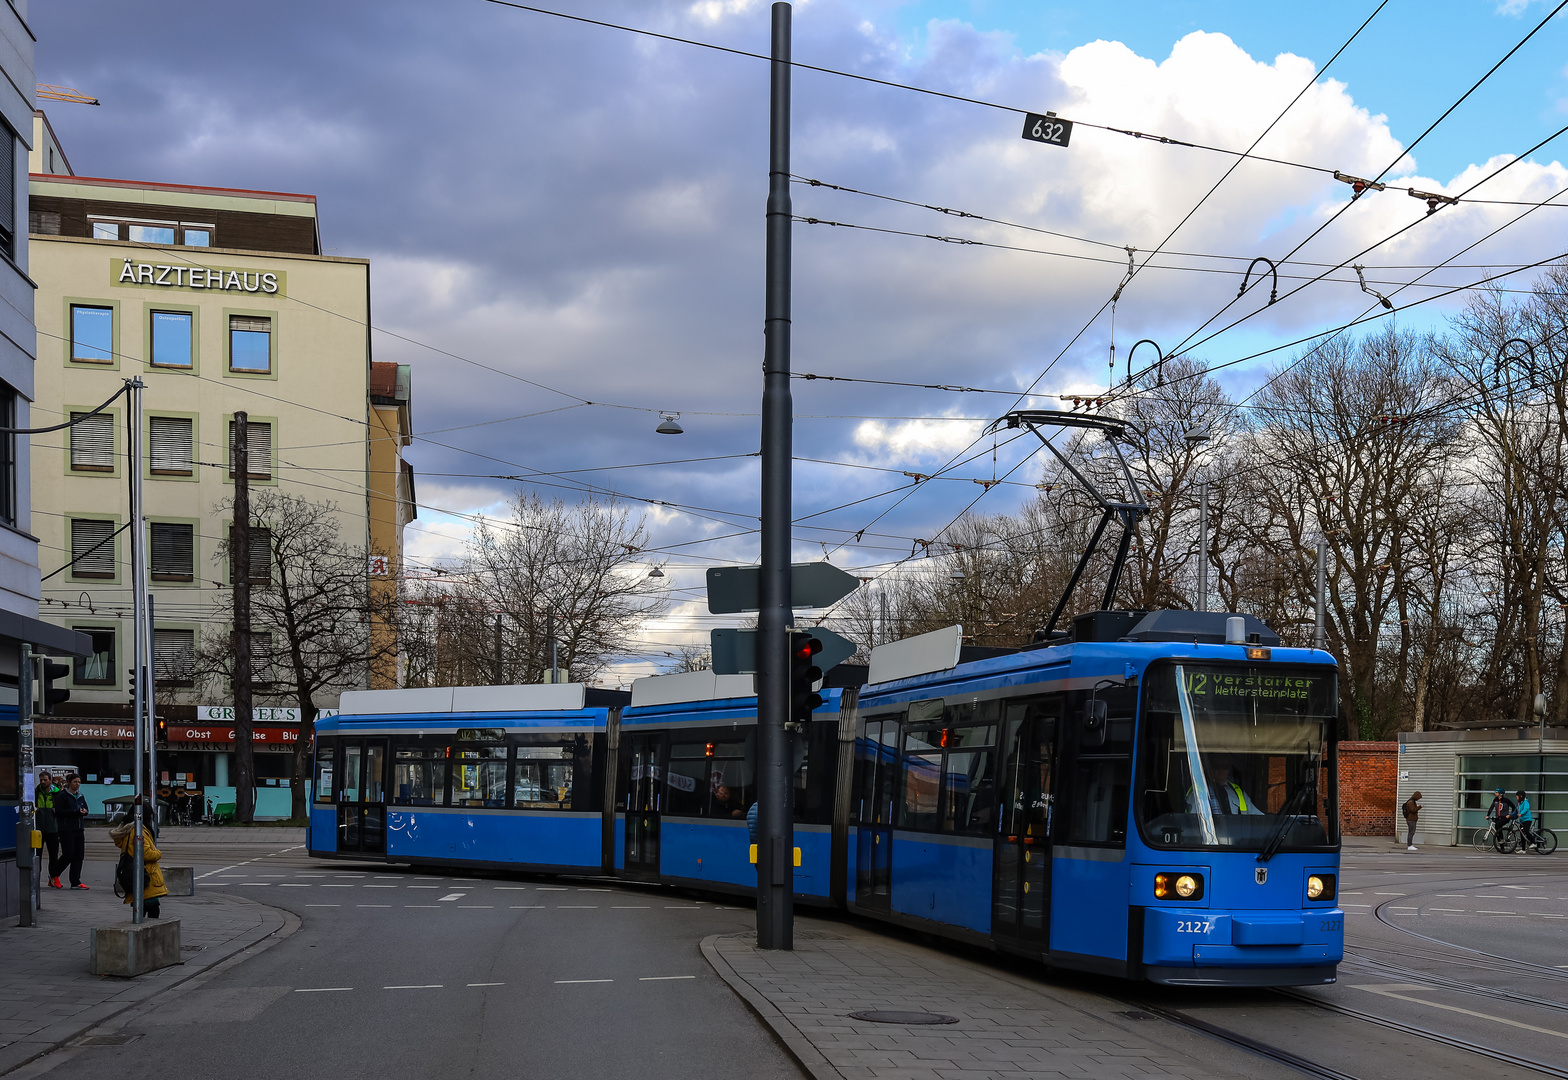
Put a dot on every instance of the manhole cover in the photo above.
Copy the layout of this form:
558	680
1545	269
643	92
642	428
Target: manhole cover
106	1040
884	1017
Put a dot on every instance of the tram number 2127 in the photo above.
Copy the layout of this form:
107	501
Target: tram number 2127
1047	129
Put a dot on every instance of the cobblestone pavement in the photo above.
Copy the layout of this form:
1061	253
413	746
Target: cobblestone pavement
47	995
1008	1025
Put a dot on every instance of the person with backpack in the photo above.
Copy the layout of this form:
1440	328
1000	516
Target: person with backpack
1412	810
43	803
1527	837
124	837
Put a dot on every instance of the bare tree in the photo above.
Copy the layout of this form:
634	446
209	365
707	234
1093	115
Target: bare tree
312	613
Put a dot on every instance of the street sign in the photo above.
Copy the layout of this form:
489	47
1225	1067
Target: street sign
1049	128
734	589
735	651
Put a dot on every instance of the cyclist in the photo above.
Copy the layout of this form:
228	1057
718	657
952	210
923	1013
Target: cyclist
1500	813
1527	835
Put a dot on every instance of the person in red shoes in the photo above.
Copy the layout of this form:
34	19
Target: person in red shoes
70	813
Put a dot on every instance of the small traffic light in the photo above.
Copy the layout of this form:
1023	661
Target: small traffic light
803	676
50	697
130	684
162	735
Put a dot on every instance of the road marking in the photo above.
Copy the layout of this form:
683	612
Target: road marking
512	888
1388	991
323	905
390	877
630	907
342	886
380	886
475	907
421	986
323	989
1524	886
373	905
553	888
593	890
573	982
1447	909
487	984
424	886
291	885
1483	911
1548	915
527	907
210	884
664	978
254	883
422	905
452	896
682	907
577	907
1390	894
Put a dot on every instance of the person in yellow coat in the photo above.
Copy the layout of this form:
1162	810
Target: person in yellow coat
124	837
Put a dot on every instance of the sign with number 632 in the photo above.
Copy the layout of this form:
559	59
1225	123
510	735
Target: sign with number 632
1047	129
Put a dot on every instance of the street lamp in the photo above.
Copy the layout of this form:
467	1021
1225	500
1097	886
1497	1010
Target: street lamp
670	424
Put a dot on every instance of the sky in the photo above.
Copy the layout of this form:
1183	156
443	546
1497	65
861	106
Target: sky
559	213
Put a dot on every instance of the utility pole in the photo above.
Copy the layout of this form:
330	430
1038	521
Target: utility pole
239	563
1320	627
26	820
140	647
549	640
152	711
775	821
1203	546
499	679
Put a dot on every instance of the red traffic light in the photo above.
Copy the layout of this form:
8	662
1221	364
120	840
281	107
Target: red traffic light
806	647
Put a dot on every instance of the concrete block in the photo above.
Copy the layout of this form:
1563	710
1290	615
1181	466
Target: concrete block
127	949
179	880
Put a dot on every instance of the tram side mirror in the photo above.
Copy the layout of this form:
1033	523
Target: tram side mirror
1094	712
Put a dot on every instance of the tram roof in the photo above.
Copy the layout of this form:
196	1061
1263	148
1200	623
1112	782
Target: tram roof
709	710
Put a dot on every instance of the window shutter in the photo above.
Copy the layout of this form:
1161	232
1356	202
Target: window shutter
171	442
174	657
92	442
173	551
247	322
92	548
258	448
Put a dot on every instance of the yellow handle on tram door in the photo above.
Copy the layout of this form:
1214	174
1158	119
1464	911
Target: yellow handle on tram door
754	855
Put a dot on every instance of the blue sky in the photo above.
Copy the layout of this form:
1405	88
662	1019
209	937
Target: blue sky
583	209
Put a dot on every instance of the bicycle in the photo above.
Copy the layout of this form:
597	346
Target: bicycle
1512	839
1486	839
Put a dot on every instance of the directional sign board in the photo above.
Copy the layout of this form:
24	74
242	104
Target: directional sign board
1049	128
735	651
733	589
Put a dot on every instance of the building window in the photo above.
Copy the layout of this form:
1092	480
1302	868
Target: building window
43	222
148	231
174	657
96	669
92	334
92	548
260	555
171	445
92	442
7	456
250	344
8	192
258	449
173	551
172	339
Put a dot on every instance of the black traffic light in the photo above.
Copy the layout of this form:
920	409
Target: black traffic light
49	696
803	676
130	684
162	735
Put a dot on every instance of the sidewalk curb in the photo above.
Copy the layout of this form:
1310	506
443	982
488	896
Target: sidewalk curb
808	1057
137	992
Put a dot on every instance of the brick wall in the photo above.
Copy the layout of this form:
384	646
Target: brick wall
1367	774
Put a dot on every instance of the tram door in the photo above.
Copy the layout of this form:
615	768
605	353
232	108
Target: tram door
362	796
644	800
1021	886
878	768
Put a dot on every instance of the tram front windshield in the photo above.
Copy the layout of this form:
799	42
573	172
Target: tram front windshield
1235	757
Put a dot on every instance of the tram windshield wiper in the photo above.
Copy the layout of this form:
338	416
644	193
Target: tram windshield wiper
1288	813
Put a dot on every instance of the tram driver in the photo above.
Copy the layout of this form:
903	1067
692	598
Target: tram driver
1226	795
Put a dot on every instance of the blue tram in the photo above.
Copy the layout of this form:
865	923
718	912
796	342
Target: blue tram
1152	796
501	776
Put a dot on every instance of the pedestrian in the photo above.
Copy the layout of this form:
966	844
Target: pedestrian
1412	809
70	809
43	802
1527	835
124	837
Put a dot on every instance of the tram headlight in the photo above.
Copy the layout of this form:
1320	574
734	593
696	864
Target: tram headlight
1320	887
1175	885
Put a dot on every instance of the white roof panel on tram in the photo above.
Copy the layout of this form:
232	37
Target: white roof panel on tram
919	655
543	697
691	686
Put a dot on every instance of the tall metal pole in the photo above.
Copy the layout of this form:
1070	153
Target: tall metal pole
28	872
775	824
1320	629
152	712
549	634
240	562
139	646
1203	546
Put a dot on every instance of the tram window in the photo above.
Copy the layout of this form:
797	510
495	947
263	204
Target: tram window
920	780
324	773
968	785
816	778
351	770
876	752
479	776
418	775
542	778
375	774
1099	801
711	773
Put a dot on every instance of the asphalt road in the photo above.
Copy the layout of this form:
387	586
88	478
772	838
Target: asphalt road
413	975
